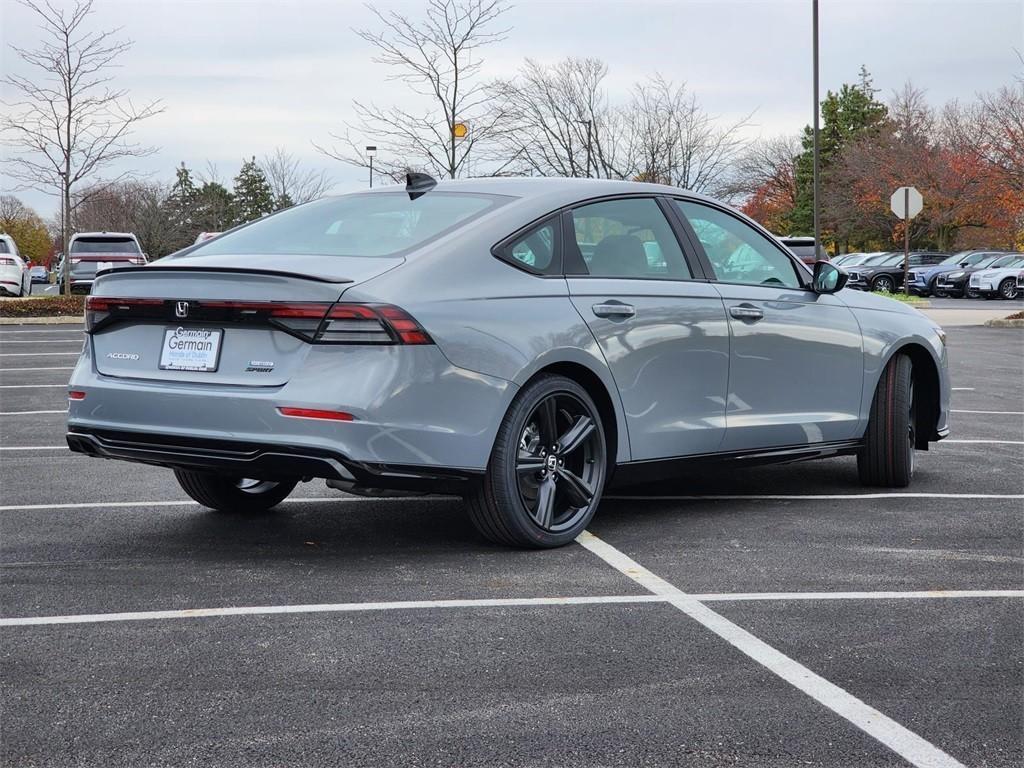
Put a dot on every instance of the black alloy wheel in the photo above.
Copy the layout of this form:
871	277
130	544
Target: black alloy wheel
883	284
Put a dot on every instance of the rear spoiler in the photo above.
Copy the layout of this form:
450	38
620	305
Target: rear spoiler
232	270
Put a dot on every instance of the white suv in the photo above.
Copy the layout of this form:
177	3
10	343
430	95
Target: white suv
15	279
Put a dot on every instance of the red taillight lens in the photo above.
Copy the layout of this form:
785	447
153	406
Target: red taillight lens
5	262
99	308
76	394
313	413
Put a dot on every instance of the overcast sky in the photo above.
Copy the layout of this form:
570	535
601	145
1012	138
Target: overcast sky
240	77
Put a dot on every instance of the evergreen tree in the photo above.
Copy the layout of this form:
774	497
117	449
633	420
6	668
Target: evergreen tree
180	207
214	209
845	116
252	194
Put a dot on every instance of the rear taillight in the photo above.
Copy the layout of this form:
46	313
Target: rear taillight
76	394
99	309
314	413
315	322
5	262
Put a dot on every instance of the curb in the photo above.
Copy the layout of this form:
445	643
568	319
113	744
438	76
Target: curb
1005	323
58	320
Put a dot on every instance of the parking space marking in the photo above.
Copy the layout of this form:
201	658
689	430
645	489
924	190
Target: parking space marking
59	368
499	602
41	341
995	413
39	354
887	731
988	442
33	447
818	496
259	610
28	386
30	413
189	503
962	389
931	594
6	332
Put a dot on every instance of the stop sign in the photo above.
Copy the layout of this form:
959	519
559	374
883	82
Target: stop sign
906	202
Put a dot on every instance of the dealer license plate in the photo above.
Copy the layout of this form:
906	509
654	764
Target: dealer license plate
191	349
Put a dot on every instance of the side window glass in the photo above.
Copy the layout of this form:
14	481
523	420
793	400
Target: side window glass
537	250
738	252
628	238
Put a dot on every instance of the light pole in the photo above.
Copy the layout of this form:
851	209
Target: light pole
371	152
817	182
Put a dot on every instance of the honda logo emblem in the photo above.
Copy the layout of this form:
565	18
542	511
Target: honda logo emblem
181	309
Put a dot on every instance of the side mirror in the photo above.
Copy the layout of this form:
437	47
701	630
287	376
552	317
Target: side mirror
828	278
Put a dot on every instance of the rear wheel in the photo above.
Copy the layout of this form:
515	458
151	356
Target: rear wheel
887	457
547	470
233	494
1008	288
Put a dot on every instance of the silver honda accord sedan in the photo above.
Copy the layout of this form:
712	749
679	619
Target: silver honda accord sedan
524	343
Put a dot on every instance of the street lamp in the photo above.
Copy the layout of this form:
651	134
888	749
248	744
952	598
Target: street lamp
371	152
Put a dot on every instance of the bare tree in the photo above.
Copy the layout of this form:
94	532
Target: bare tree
291	183
559	120
129	206
68	125
673	140
439	58
768	166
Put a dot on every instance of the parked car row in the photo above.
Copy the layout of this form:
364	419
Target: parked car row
14	275
989	274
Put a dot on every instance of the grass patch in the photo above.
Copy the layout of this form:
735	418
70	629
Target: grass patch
904	298
43	306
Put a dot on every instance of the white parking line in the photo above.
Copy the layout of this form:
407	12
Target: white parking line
962	389
817	496
7	332
29	386
900	740
262	610
41	341
29	413
988	442
188	503
39	354
57	368
995	413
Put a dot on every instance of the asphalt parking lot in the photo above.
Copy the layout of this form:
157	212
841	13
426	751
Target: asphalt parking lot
774	617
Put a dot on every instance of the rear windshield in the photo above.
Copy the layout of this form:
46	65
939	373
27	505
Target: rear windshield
3	247
370	225
104	245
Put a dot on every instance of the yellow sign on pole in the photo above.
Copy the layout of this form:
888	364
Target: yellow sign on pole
460	130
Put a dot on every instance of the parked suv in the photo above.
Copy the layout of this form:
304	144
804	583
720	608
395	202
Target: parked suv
924	280
14	276
887	275
957	283
91	252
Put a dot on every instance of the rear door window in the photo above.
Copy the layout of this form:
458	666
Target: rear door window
628	238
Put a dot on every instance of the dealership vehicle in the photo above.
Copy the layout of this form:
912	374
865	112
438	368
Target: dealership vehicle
804	249
846	258
1002	281
91	252
202	237
886	275
924	280
957	284
14	277
521	342
39	274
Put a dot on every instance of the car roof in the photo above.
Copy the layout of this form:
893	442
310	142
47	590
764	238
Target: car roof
103	234
556	190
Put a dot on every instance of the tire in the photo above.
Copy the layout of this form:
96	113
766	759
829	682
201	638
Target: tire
227	494
971	293
884	284
508	506
934	290
1008	288
887	457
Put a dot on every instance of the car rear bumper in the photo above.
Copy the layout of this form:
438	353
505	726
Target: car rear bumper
264	461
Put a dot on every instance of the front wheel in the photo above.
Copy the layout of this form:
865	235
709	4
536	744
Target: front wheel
547	470
887	456
1008	288
233	494
883	284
